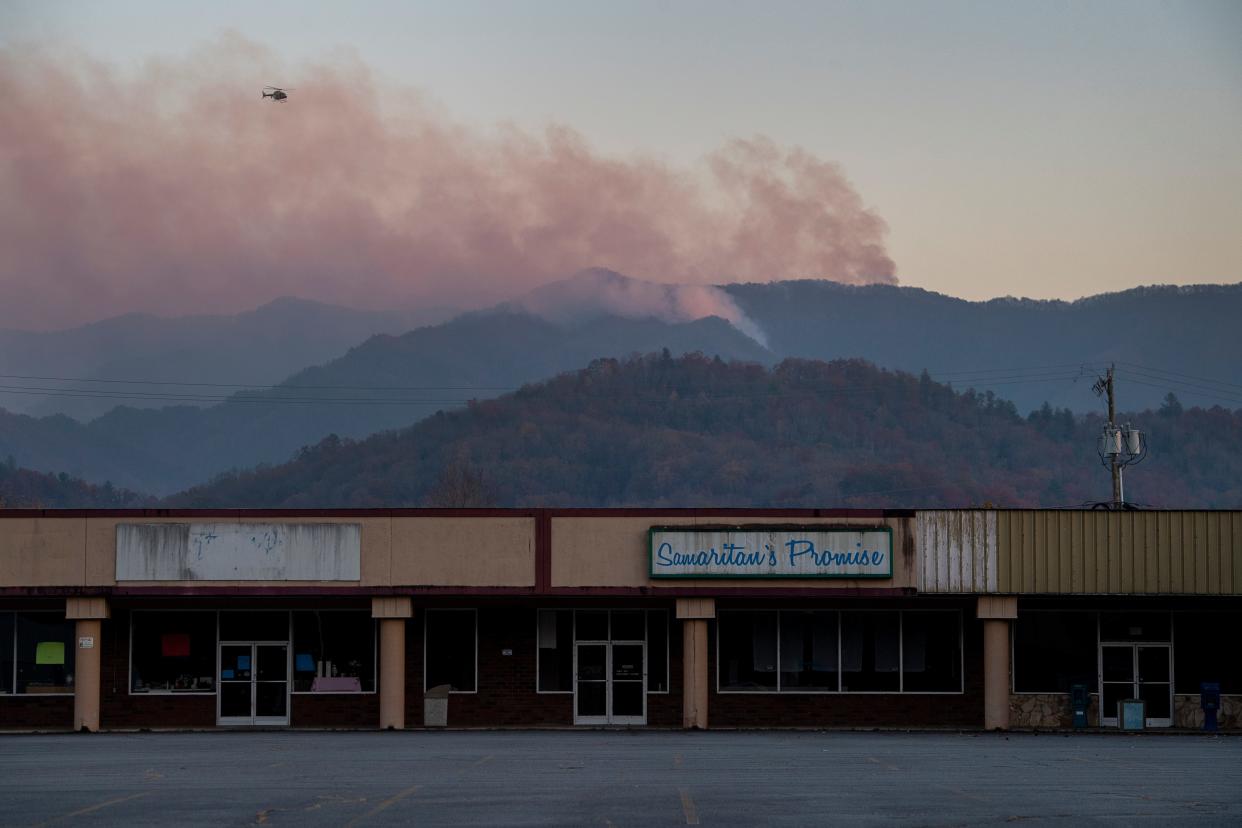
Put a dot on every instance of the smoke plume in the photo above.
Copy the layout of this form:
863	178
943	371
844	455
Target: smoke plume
175	189
598	292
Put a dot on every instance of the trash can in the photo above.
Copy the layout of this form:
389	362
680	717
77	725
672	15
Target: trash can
435	706
1132	714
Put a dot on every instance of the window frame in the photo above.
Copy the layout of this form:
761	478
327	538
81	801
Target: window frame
573	622
668	662
374	656
215	657
73	641
475	610
12	614
1013	653
901	671
668	657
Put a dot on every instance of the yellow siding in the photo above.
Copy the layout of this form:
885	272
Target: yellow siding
1127	553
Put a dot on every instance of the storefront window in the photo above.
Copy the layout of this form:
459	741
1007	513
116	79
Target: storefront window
808	651
263	625
747	646
173	652
1053	651
657	651
870	652
44	653
591	625
333	652
809	645
450	649
1135	626
628	625
931	654
556	651
1198	654
6	653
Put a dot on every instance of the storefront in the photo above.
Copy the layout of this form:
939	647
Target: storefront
615	618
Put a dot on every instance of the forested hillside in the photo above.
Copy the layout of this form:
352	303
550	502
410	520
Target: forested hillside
390	382
385	383
26	489
697	431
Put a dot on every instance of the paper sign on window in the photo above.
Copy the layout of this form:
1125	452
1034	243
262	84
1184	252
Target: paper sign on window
50	652
175	645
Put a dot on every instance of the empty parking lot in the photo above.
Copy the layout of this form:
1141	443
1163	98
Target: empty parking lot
616	778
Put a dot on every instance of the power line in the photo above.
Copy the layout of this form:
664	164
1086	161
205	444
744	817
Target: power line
1082	365
1222	388
1178	374
287	394
268	387
970	375
1164	387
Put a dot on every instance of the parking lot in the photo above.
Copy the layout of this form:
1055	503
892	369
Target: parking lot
616	778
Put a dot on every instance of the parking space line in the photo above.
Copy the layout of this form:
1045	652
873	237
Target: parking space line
387	803
100	806
687	807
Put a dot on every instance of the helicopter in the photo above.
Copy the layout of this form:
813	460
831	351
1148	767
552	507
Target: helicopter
275	93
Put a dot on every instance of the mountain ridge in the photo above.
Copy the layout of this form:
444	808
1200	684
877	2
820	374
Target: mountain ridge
656	431
391	381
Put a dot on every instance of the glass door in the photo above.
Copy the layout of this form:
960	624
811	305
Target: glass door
1154	672
591	684
236	698
1136	671
254	683
628	689
610	667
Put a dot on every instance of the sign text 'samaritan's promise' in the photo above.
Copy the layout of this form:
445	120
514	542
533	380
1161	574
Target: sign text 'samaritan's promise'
778	552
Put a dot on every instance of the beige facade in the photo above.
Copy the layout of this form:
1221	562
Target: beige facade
81	551
993	568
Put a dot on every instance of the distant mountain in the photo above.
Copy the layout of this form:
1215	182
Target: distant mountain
657	431
390	381
387	382
1189	330
258	347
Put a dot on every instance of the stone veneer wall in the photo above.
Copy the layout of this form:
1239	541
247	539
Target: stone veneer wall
1048	710
1052	711
1187	713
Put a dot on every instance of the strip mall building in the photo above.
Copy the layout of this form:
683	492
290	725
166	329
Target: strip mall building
668	618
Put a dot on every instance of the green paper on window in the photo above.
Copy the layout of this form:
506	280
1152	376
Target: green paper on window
50	652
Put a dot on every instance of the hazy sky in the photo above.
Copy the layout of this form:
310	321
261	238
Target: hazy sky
1050	149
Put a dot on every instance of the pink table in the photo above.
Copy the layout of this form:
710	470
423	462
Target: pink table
339	684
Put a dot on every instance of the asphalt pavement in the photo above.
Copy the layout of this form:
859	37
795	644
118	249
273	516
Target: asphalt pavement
617	778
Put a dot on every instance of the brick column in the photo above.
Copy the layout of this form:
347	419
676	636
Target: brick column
996	611
89	614
694	614
393	613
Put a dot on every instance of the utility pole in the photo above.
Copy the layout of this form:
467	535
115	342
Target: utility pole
1120	446
1112	423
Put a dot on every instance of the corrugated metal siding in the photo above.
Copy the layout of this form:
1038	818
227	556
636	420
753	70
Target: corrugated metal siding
957	551
1128	553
